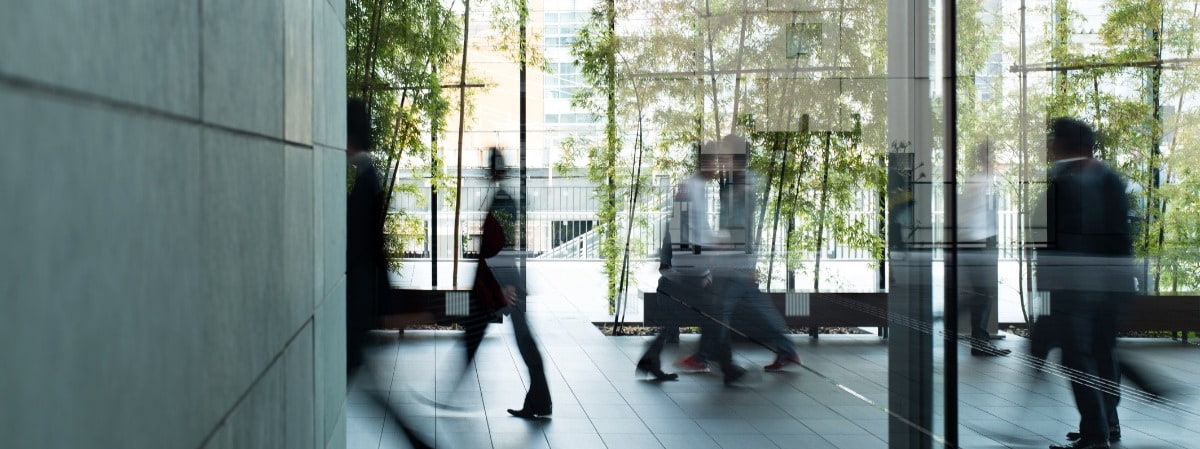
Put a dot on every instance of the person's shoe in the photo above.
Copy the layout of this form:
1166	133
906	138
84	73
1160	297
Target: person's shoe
537	405
733	375
1082	444
528	413
990	351
692	364
652	368
781	361
1114	434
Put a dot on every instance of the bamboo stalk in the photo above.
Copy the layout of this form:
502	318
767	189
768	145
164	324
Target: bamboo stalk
462	114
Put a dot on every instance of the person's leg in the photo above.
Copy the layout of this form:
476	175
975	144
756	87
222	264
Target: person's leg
1107	365
980	315
362	368
1043	337
766	324
391	414
651	360
474	328
729	292
537	400
708	299
1078	346
671	311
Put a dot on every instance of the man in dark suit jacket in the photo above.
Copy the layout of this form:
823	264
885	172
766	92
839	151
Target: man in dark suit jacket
1086	266
366	261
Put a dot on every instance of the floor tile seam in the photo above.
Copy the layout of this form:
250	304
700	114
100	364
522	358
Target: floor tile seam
487	422
593	362
574	394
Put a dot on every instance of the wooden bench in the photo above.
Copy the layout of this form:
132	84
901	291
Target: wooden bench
416	306
1172	313
799	309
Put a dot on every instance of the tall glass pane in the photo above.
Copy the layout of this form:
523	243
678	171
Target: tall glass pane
1050	256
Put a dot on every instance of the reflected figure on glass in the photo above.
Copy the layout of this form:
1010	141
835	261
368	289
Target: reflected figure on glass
716	279
1086	266
977	254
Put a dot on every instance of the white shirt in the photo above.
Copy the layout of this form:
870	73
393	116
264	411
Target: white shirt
977	209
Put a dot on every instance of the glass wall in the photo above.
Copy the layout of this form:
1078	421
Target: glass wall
884	168
1124	70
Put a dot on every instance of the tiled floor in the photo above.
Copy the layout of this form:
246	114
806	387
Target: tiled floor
599	403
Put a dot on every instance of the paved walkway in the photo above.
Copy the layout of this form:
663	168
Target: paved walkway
599	403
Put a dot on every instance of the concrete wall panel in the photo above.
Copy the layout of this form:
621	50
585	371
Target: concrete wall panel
300	386
297	74
243	65
91	47
167	249
299	240
329	77
242	213
330	364
333	179
98	280
259	421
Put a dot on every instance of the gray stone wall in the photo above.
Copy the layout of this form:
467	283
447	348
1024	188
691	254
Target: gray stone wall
172	216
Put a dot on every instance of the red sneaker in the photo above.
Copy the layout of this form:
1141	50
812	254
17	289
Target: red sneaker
782	361
692	364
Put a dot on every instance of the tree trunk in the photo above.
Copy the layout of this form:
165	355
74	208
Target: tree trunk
820	237
462	113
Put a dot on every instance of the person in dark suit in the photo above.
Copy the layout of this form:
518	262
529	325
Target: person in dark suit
1086	267
366	260
500	287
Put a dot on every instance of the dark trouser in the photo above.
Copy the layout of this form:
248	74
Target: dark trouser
475	326
362	290
538	396
713	345
669	295
743	306
655	348
1088	335
977	278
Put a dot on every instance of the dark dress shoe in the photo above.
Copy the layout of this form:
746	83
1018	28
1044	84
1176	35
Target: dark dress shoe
990	351
531	413
1114	434
734	375
1082	444
537	405
654	369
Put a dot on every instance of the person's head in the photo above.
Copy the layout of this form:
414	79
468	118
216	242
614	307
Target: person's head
1068	138
358	126
708	167
735	146
981	161
496	164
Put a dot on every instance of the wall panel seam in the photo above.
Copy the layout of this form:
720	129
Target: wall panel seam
338	284
93	99
257	379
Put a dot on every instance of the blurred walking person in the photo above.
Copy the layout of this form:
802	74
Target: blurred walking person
728	253
1087	268
366	261
499	287
977	253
